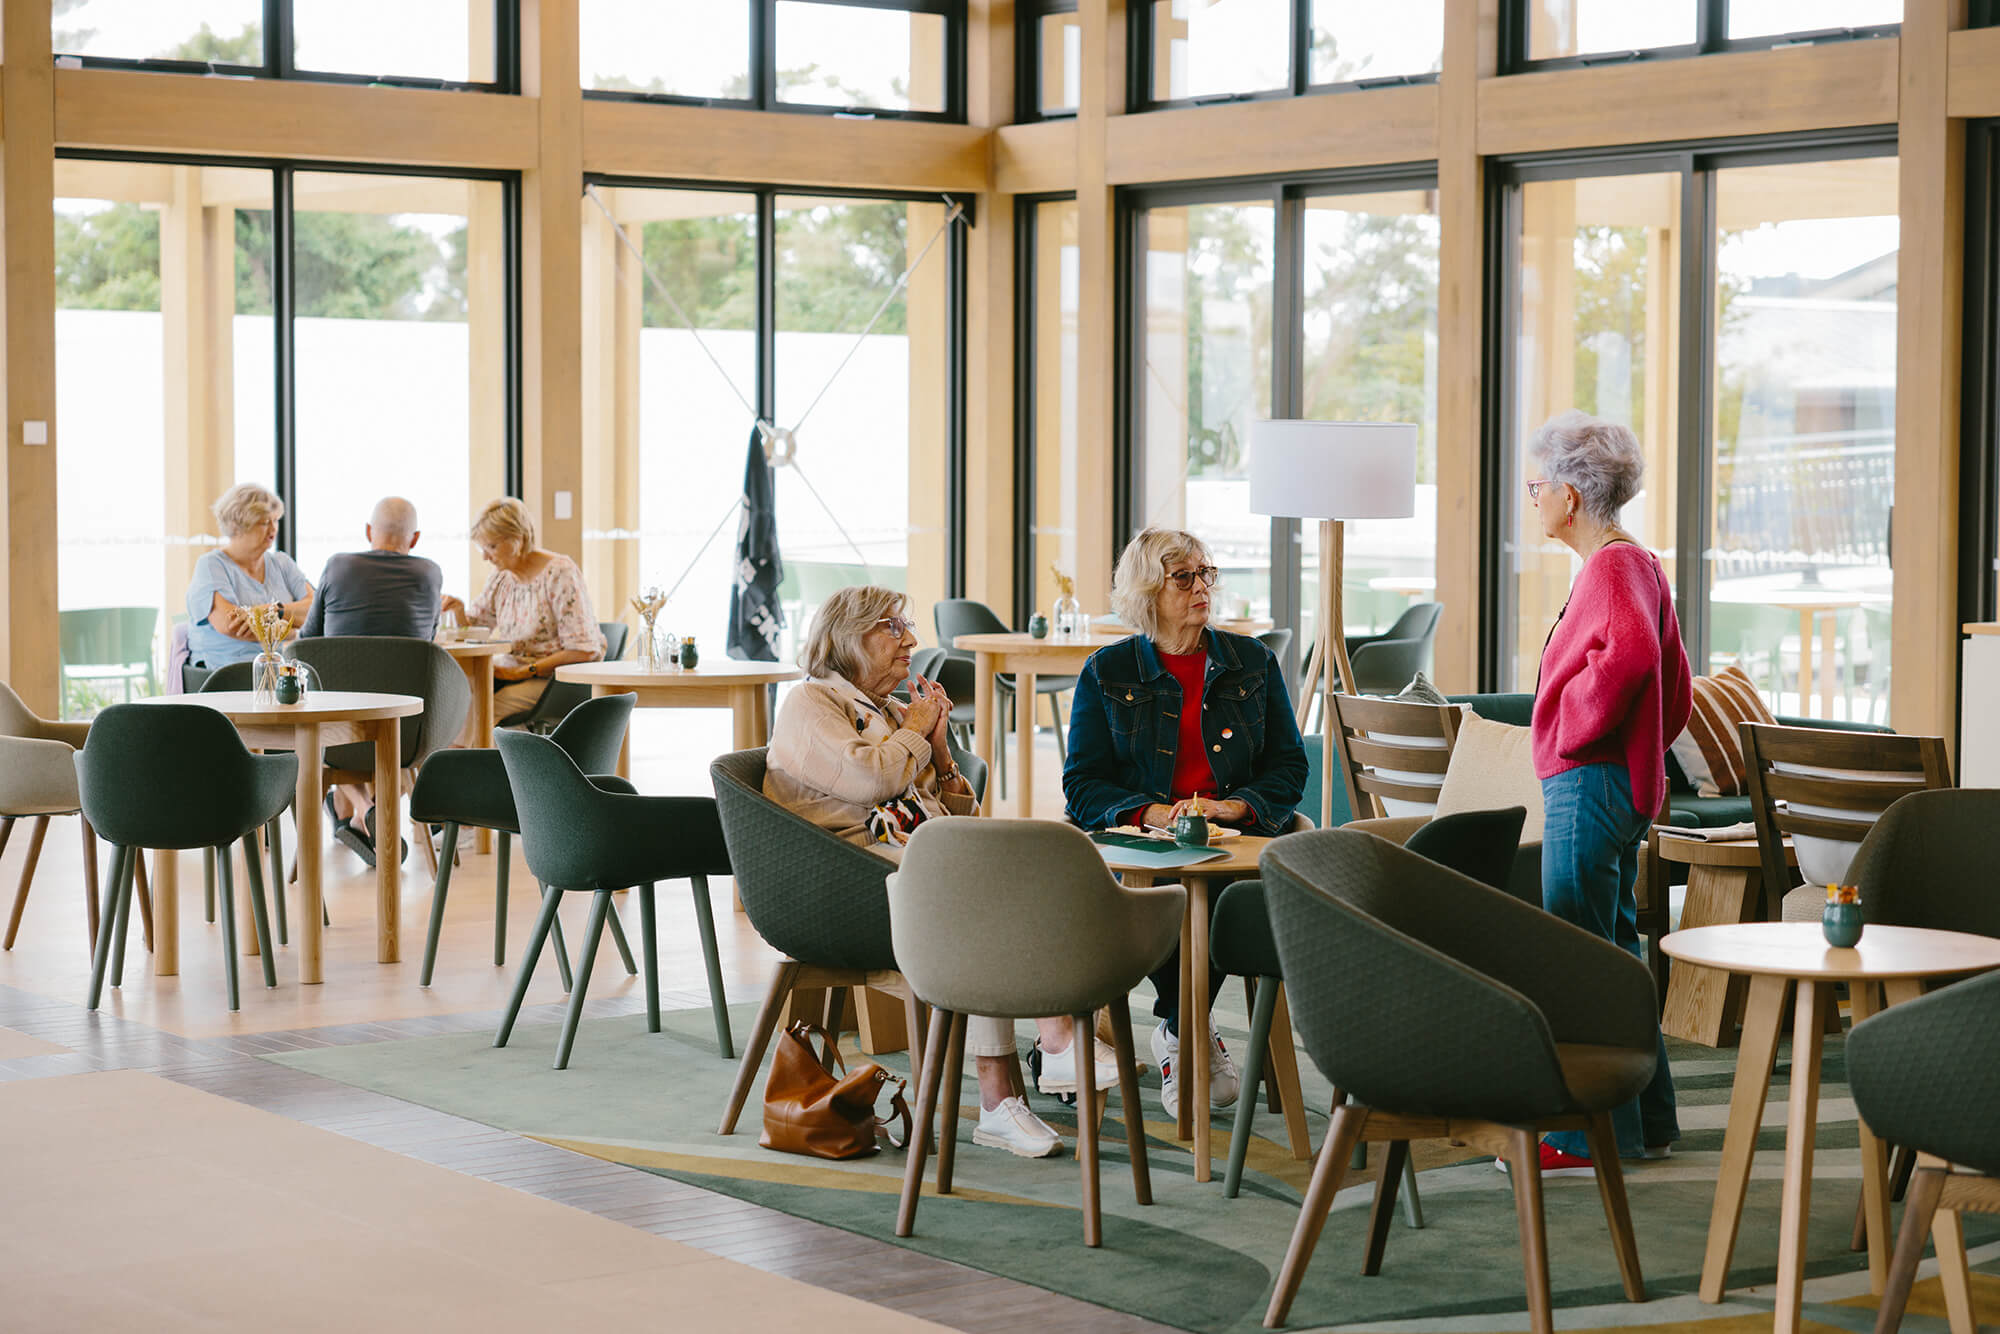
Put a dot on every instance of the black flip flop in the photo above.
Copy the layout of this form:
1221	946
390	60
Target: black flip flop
403	849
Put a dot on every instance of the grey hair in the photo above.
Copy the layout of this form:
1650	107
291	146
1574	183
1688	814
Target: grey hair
394	517
243	505
1142	573
1600	458
832	644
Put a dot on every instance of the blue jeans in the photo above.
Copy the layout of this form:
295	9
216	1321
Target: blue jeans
1590	859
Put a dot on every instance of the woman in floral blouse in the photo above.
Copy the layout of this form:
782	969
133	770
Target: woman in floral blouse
535	598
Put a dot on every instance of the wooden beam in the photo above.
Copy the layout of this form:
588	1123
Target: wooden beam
1972	72
1471	48
1355	129
709	143
1930	283
1038	158
1100	106
1740	93
180	113
551	274
29	643
989	326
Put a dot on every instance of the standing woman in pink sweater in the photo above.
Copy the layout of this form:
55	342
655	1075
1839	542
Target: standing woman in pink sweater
1613	692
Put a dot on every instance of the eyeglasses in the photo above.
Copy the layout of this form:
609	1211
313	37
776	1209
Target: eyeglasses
1184	579
899	625
1535	488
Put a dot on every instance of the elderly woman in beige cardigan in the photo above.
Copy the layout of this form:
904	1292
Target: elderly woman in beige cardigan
852	759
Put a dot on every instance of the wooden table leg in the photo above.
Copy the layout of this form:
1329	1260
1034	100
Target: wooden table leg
388	837
624	742
1024	744
1705	1004
743	714
1754	1064
1194	1046
982	725
1283	1062
1184	1099
1805	662
479	672
306	811
1874	1166
1829	635
1801	1123
166	912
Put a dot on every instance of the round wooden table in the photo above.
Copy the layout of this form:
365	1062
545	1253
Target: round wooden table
475	658
1203	882
1775	956
726	683
323	718
1026	657
1725	886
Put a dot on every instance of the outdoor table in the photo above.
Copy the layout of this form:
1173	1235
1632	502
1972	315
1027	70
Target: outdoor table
1809	603
1775	955
323	718
740	687
475	659
1203	883
1026	657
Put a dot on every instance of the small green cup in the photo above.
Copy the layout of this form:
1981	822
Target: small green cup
290	689
1038	626
1841	924
1191	831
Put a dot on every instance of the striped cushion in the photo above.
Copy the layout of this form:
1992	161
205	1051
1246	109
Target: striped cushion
1710	750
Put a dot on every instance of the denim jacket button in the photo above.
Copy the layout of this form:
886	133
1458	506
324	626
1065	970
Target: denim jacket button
1218	748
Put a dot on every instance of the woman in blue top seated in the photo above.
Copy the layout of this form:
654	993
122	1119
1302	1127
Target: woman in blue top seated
1138	754
243	572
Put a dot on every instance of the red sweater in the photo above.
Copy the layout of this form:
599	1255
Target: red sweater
1193	775
1613	689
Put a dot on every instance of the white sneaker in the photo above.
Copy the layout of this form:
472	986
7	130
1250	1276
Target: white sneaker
1059	1068
1224	1084
1011	1126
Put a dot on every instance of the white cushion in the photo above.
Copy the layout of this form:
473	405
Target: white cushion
1492	767
1395	806
1825	861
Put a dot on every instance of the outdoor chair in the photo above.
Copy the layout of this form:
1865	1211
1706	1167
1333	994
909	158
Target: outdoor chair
962	947
584	834
964	616
1478	844
1927	1074
1441	1007
559	697
109	644
173	776
461	789
816	899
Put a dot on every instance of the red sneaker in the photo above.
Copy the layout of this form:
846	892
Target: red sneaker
1556	1163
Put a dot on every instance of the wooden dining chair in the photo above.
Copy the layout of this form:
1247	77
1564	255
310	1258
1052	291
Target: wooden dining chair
1393	753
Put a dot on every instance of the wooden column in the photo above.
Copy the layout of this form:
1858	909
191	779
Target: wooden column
612	313
29	647
989	326
551	306
1103	96
485	299
1930	279
1471	52
926	313
197	318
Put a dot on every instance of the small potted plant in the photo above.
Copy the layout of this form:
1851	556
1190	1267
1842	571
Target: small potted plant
1841	920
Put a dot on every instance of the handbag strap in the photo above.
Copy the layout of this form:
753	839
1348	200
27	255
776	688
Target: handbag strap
899	1110
829	1049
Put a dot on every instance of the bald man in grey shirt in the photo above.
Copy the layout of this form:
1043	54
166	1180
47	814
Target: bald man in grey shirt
381	591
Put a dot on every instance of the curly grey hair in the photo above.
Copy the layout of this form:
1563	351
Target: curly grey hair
1142	573
244	506
1600	458
832	644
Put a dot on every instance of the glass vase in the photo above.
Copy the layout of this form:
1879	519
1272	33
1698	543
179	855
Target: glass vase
1068	618
649	647
264	679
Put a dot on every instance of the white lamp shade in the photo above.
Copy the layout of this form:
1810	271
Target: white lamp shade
1333	470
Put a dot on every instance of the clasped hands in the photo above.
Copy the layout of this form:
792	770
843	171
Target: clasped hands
1162	816
929	715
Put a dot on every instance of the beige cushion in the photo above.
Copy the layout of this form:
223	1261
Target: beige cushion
1709	748
1492	767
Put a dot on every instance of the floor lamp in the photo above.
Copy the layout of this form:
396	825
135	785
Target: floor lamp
1331	471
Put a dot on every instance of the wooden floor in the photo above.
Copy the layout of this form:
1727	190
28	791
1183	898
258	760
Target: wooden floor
180	1028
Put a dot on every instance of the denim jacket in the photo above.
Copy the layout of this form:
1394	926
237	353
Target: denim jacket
1124	730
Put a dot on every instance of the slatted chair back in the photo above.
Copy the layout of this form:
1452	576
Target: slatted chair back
1825	790
1393	754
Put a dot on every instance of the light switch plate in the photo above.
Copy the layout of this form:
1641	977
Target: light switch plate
34	433
563	503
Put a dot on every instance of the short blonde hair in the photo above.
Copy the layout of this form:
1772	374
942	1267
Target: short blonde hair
245	505
505	517
1142	573
833	643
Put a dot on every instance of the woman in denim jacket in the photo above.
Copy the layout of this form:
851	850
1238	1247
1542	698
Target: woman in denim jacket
1137	756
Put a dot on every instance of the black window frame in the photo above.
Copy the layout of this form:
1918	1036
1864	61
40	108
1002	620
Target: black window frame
1028	16
1711	25
1139	67
1499	505
284	363
1287	192
957	271
278	63
1979	405
763	66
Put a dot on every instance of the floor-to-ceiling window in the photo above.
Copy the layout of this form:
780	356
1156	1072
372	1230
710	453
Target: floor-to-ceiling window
1736	309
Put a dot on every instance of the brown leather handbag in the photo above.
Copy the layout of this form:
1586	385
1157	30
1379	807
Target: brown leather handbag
807	1110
